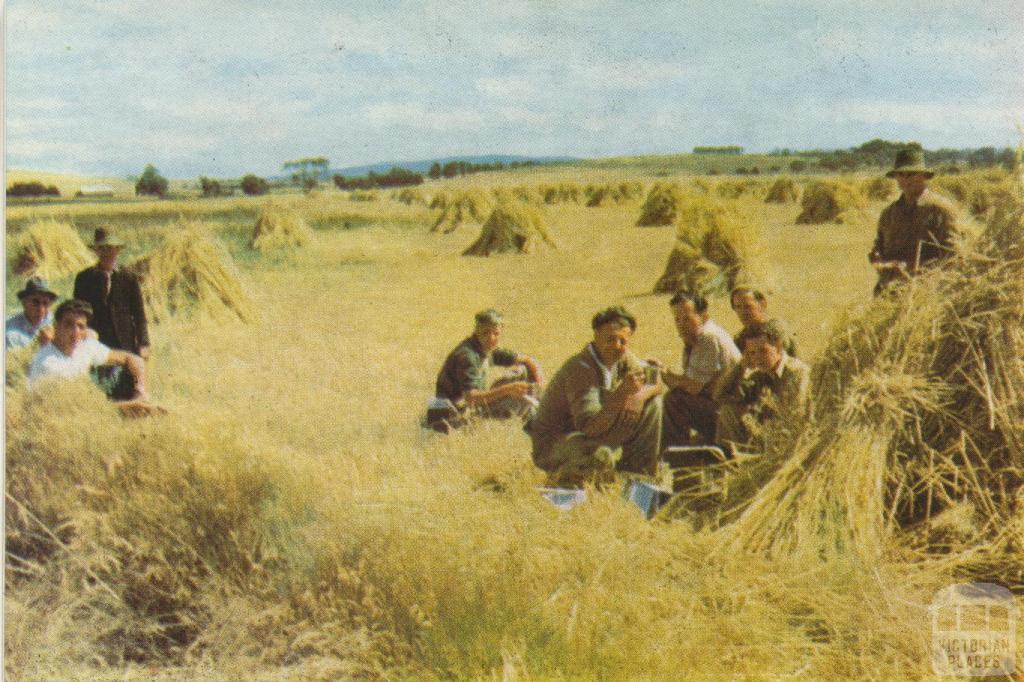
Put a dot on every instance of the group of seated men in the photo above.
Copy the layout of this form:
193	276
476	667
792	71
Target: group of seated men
608	410
101	331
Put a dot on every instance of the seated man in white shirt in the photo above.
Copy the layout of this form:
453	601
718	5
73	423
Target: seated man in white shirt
73	353
708	352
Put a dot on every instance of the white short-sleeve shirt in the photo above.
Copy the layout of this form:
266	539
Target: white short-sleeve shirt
51	362
713	353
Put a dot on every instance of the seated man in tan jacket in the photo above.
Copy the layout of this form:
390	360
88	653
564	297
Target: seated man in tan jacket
767	384
601	400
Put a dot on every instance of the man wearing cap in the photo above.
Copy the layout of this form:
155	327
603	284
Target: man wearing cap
35	322
73	352
602	411
118	315
916	229
767	384
464	379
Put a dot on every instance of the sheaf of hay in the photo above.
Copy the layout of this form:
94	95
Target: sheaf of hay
192	273
511	227
50	249
279	227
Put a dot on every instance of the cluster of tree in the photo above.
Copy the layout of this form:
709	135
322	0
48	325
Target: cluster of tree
724	149
254	185
455	168
309	171
880	153
32	189
214	188
396	177
151	183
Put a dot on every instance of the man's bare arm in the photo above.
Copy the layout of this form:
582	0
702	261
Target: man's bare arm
135	365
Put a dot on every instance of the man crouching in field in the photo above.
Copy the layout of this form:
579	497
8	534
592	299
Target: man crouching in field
73	352
768	384
599	401
464	380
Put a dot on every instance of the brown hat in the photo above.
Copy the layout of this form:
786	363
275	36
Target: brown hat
37	286
909	161
103	237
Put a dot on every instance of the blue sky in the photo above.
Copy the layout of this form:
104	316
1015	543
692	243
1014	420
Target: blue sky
225	88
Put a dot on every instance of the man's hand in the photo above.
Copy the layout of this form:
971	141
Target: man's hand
144	352
887	265
630	385
45	335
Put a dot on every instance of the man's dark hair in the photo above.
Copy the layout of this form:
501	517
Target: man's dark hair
490	317
738	291
700	304
616	314
73	306
770	330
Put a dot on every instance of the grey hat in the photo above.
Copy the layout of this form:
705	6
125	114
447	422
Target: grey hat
104	237
37	285
490	316
909	161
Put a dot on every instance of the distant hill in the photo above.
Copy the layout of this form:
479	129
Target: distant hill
424	166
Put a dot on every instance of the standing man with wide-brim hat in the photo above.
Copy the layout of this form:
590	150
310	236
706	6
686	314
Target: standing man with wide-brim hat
915	230
115	295
35	321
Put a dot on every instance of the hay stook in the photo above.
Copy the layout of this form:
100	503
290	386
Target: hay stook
469	206
279	227
917	443
715	249
830	202
50	249
192	273
511	227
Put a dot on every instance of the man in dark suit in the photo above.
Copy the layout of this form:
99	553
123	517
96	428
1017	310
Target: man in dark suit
119	317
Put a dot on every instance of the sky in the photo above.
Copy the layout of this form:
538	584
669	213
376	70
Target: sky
223	88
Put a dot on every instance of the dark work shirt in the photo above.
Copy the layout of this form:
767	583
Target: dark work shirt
914	234
465	369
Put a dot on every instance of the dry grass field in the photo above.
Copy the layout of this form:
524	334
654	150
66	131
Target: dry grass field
289	519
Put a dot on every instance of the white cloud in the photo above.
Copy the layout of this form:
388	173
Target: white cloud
935	116
506	87
410	115
528	117
633	74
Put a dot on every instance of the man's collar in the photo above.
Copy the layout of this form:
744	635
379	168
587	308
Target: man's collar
597	358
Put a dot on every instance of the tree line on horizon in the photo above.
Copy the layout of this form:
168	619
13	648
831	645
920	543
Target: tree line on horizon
308	172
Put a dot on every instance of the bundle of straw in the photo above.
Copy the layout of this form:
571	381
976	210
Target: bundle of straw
829	202
661	206
782	191
564	192
715	248
512	226
279	227
919	402
50	249
878	187
613	194
469	206
410	196
192	273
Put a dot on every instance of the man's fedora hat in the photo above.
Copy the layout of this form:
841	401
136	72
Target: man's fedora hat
103	237
37	286
909	161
